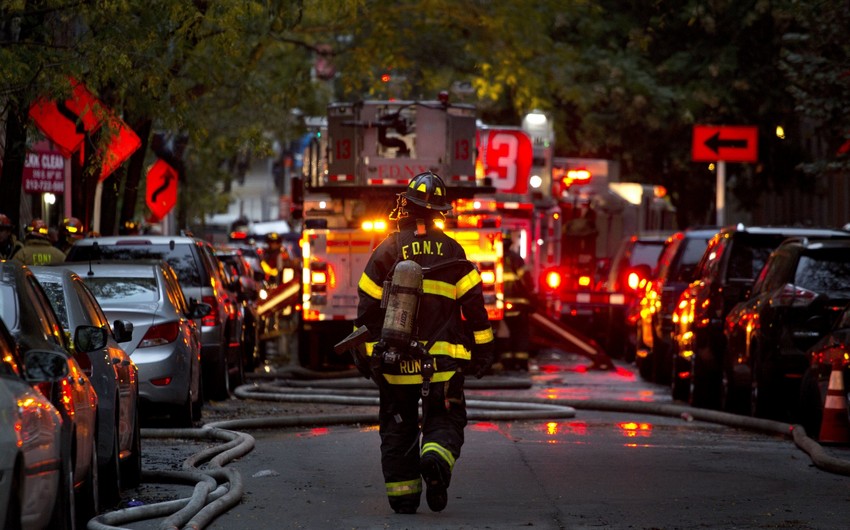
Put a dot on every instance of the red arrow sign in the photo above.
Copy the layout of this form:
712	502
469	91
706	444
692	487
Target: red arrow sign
161	189
726	143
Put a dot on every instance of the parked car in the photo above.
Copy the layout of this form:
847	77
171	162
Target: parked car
247	292
30	439
165	342
829	353
724	277
632	265
195	264
113	375
26	311
654	328
801	291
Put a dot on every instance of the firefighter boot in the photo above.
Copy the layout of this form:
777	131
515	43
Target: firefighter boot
436	479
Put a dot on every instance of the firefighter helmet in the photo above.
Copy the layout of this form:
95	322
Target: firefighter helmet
5	222
37	228
273	237
72	228
428	191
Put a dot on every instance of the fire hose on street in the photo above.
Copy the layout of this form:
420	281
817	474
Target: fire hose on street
218	488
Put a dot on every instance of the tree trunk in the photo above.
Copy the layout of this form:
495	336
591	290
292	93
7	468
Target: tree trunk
134	174
14	156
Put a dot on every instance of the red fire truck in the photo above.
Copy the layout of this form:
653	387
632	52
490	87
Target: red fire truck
598	213
367	154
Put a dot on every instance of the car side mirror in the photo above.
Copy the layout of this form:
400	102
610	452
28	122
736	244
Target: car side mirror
199	310
89	338
44	366
123	330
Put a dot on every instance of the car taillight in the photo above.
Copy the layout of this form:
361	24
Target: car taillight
67	396
212	318
160	334
793	296
553	280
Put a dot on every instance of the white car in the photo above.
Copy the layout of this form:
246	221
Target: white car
30	434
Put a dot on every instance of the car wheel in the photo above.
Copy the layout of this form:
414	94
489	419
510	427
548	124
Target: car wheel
181	414
131	467
663	366
733	397
810	411
88	503
763	396
217	381
237	374
64	515
13	506
108	475
198	404
705	380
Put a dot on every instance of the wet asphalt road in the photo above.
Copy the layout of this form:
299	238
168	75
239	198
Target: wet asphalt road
597	469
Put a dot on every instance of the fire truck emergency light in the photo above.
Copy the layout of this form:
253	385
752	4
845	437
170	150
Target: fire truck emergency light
374	226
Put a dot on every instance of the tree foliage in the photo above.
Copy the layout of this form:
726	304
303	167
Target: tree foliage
624	80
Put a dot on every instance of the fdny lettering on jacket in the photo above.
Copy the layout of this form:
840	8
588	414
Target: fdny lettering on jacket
417	248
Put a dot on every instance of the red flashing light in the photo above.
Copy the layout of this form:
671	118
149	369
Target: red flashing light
385	78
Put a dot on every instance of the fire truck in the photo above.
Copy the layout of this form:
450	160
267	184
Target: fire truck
598	213
357	164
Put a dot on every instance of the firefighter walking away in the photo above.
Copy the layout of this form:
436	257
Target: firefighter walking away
422	302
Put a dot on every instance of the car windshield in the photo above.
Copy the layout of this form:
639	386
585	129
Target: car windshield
56	294
646	253
180	257
824	271
123	289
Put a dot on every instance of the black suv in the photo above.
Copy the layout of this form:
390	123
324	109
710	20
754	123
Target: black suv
800	293
724	277
198	272
654	324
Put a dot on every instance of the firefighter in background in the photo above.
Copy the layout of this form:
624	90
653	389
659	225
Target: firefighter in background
9	244
451	291
70	231
275	258
519	293
37	249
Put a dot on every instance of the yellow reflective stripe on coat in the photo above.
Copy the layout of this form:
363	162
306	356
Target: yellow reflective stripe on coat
484	336
406	487
416	379
445	454
370	287
467	282
439	288
441	347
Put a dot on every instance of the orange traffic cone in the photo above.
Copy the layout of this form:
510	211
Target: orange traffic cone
835	426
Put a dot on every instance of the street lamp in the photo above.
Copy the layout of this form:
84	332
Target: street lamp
49	200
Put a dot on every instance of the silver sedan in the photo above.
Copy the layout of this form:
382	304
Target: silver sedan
165	343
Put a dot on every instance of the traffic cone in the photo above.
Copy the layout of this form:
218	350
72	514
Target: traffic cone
835	425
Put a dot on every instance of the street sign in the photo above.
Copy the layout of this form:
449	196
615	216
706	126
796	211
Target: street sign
727	143
161	188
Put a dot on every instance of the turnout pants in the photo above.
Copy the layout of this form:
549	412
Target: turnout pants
443	421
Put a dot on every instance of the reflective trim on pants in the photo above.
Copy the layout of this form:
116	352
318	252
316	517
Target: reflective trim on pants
442	452
406	487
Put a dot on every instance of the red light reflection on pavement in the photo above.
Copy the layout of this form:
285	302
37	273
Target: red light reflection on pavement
631	429
316	431
485	426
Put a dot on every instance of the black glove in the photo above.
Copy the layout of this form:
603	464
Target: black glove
480	364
